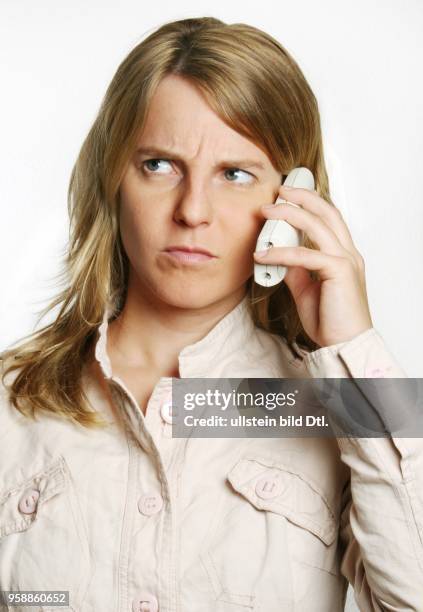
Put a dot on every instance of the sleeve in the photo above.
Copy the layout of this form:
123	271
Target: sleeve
381	522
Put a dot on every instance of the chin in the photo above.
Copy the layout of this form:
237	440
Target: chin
190	299
190	296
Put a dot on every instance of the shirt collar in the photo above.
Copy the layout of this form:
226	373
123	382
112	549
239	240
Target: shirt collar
228	336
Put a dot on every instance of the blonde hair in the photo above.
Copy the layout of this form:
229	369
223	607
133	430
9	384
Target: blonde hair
257	88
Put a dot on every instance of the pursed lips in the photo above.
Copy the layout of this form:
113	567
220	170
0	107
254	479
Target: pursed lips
189	254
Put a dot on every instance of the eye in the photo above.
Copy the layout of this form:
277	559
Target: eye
249	176
154	164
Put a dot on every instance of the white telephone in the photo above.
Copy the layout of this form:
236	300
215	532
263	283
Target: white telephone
278	233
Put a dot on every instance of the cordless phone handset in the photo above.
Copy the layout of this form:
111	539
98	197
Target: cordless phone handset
278	233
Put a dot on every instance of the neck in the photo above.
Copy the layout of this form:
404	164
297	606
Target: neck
150	333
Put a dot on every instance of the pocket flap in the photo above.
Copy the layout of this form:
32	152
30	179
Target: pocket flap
270	485
19	505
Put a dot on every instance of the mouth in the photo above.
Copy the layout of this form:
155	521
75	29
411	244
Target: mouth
189	255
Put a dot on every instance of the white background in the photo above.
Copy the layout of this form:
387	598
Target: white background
363	59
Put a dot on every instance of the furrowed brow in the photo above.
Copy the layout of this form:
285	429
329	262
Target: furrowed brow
231	163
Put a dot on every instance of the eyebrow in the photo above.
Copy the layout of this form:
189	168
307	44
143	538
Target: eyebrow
232	163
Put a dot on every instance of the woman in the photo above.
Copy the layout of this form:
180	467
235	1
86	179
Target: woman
199	127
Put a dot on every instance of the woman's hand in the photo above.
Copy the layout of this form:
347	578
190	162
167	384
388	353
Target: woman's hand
334	308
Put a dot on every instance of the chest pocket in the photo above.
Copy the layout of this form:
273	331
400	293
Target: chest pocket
270	518
43	543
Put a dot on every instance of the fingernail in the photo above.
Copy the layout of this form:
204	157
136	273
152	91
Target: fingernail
261	253
288	188
268	206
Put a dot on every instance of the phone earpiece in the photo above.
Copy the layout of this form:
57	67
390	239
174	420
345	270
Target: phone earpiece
277	232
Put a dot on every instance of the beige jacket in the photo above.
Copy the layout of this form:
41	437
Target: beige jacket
131	519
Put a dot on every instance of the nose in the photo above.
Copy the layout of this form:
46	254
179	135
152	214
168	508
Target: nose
193	205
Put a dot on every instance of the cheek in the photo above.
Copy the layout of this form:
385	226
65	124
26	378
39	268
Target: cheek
138	216
133	223
243	232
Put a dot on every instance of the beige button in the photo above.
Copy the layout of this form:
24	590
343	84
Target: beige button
28	501
145	602
150	503
168	411
269	486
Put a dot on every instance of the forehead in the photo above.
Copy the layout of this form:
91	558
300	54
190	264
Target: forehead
179	116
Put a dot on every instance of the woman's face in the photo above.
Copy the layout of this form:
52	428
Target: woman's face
193	182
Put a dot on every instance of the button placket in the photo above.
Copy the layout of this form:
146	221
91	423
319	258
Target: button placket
146	430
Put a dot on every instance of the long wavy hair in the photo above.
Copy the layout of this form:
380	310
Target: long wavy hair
257	88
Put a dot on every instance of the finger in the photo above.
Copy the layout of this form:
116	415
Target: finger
328	266
310	200
298	280
320	233
305	292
